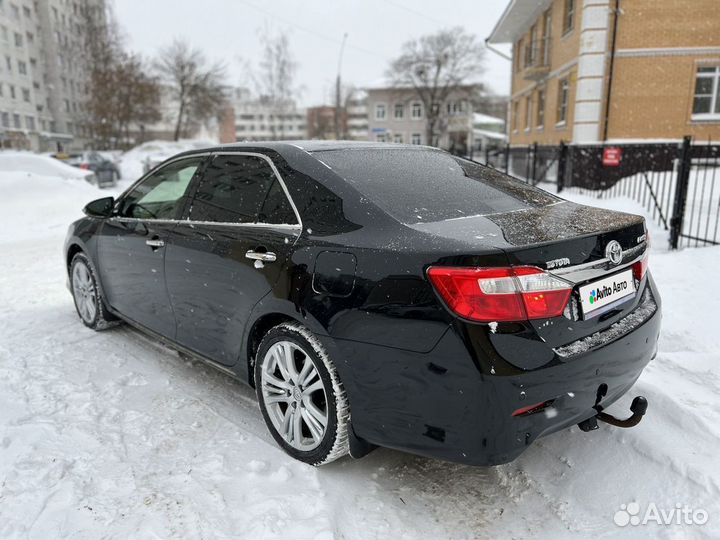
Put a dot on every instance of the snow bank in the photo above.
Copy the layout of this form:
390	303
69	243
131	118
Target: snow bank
40	165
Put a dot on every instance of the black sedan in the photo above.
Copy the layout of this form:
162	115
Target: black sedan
377	294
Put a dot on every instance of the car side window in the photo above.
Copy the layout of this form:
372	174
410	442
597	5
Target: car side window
241	189
162	194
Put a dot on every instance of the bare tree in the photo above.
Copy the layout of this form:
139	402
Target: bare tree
437	66
275	79
120	91
195	85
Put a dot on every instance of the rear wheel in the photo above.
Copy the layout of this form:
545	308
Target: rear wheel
86	294
301	396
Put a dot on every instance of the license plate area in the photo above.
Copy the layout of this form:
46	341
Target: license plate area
604	294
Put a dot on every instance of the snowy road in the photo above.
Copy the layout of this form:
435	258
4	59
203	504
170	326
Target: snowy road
108	435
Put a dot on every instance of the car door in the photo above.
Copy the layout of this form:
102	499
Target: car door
229	252
131	245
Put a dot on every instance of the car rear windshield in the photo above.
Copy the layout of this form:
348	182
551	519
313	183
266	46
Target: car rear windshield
423	186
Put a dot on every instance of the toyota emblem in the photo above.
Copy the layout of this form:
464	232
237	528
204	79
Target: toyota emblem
614	252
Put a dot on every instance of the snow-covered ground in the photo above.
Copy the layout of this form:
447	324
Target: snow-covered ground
107	435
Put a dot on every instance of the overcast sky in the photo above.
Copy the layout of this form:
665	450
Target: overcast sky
228	30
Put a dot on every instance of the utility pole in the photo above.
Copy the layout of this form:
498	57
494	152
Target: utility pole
337	89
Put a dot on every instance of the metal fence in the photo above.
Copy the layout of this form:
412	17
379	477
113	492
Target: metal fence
678	184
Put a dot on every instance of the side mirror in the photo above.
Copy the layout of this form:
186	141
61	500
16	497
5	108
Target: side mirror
101	208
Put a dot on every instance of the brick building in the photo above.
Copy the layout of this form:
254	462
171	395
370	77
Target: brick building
594	70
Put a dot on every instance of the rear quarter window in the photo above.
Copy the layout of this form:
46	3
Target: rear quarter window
423	186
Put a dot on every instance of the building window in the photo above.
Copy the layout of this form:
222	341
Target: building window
30	123
22	67
380	137
706	103
4	34
531	49
398	138
455	108
563	96
518	55
16	121
12	91
6	119
26	95
515	115
568	16
528	113
15	11
546	37
380	111
26	11
399	111
416	138
18	40
416	111
540	114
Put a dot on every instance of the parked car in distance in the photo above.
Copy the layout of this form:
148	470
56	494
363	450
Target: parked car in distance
377	294
106	171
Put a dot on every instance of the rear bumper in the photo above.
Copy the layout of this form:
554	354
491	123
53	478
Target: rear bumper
445	404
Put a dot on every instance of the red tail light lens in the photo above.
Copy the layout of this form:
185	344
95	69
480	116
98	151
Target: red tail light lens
501	294
640	267
85	166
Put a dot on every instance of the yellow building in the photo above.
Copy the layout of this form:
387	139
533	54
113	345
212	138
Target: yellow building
588	71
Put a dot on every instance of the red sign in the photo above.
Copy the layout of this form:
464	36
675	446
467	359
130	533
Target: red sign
612	156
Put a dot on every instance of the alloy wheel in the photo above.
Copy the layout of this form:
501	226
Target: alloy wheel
84	292
294	395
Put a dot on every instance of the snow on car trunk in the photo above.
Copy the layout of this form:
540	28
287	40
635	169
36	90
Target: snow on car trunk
108	434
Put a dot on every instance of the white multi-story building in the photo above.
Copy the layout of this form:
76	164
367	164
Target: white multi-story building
259	119
43	78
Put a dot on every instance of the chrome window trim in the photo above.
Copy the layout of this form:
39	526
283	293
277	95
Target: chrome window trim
298	225
191	223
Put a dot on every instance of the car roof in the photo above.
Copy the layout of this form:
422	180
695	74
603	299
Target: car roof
310	146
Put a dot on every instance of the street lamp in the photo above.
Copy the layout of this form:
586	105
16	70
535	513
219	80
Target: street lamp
337	88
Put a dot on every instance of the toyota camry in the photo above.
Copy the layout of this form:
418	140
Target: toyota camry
377	294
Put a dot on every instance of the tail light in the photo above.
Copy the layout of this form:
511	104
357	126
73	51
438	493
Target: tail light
500	294
640	267
84	166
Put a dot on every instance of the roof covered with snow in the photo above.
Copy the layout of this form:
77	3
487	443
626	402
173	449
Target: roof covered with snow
517	17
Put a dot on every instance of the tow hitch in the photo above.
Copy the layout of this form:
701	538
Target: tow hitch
638	407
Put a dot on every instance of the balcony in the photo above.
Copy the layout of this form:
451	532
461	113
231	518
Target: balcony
536	60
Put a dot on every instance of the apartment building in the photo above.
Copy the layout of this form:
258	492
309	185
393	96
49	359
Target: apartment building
398	115
259	119
43	80
588	71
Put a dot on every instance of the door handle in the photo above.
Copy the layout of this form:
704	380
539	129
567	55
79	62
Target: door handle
155	243
267	256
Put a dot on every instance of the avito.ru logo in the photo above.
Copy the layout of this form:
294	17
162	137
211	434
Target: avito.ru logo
681	514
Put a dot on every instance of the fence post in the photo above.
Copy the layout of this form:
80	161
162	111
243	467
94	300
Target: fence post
487	154
562	162
507	158
681	190
534	163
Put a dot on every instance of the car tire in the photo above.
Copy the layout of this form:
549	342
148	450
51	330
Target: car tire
298	397
87	295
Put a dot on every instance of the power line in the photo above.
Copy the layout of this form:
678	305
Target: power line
416	13
310	31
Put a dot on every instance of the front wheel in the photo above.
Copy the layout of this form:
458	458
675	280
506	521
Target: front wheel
86	294
301	396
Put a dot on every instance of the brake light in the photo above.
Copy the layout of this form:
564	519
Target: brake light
640	267
84	166
500	294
